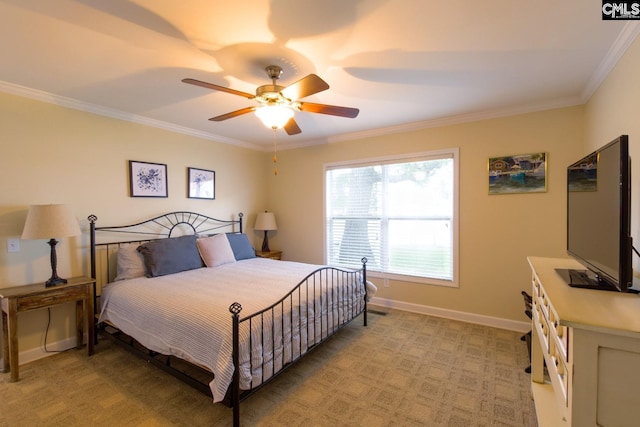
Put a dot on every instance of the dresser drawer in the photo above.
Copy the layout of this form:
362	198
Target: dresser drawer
553	339
559	375
558	334
541	324
561	338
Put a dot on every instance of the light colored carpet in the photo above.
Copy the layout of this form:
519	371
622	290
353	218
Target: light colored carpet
404	369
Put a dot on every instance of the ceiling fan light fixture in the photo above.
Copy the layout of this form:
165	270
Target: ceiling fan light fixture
277	104
274	116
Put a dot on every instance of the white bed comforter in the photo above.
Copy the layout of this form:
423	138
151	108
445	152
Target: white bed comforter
187	315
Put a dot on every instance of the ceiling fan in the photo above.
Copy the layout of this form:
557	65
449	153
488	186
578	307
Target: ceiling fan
276	104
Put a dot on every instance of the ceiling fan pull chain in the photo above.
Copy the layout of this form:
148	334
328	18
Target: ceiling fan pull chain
275	149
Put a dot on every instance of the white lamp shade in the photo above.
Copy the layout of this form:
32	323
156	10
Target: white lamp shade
49	221
274	116
266	221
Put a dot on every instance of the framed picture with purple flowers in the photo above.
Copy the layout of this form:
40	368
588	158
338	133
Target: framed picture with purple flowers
201	184
148	179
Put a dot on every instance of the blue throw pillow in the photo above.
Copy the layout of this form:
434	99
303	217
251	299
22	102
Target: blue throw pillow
241	246
168	256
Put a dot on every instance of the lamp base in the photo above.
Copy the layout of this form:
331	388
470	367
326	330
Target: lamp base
53	281
265	243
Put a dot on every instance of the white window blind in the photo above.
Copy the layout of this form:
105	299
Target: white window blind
399	213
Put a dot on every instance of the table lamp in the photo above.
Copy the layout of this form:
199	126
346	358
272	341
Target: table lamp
265	221
47	222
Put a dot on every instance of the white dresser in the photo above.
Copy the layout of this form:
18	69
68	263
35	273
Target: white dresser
590	341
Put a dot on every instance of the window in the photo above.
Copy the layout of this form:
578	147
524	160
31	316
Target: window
400	213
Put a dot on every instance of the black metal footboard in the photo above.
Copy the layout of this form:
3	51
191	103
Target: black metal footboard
265	343
269	341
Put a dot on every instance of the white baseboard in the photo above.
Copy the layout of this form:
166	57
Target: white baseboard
39	353
33	354
496	322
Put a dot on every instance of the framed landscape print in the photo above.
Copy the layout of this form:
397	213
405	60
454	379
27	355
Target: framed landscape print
524	173
147	179
201	184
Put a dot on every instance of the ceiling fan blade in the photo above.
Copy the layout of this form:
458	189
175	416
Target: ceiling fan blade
292	127
216	87
304	87
232	114
332	110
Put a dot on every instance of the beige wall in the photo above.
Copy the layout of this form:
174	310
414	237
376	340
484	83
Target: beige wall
497	232
52	154
614	110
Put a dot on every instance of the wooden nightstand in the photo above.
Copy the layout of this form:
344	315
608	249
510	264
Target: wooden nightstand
29	297
270	254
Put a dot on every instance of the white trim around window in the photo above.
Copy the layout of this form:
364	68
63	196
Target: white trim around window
401	212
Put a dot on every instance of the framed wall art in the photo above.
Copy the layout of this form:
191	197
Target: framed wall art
201	184
147	179
524	173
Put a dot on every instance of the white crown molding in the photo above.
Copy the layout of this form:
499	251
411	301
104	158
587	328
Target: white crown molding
63	101
455	120
617	50
441	122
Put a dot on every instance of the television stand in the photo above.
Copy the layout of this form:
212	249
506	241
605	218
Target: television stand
585	348
582	279
586	280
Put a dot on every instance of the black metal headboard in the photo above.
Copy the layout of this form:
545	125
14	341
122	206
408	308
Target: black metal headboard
159	227
200	224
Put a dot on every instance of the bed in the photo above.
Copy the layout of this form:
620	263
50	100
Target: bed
186	289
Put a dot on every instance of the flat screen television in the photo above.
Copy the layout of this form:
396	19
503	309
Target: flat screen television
599	218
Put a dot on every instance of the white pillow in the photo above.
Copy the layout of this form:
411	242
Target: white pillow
215	250
129	263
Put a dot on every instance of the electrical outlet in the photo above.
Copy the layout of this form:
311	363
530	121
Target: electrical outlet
385	283
13	245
